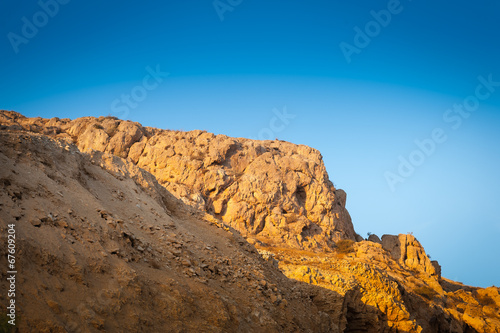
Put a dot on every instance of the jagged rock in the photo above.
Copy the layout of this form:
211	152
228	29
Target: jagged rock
437	268
77	286
274	191
408	251
382	296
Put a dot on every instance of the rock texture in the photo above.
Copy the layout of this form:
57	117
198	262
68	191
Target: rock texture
408	251
101	246
274	191
383	294
124	228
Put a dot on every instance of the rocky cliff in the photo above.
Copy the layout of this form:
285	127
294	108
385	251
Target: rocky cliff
273	191
128	228
101	246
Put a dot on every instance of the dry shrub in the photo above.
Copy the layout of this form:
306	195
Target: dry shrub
345	246
426	292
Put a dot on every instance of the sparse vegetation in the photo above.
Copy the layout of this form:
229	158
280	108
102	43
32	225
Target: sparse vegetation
426	292
109	116
345	246
284	252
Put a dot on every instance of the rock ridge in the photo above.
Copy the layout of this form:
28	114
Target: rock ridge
273	191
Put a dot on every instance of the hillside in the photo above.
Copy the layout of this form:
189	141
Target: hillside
275	190
122	227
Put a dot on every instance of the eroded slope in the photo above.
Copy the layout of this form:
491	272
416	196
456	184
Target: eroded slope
274	191
103	247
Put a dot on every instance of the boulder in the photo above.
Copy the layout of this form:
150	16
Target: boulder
374	238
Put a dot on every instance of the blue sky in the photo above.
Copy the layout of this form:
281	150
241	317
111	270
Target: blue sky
234	65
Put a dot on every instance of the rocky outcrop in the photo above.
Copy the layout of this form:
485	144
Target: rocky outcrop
374	238
437	268
407	250
274	191
382	294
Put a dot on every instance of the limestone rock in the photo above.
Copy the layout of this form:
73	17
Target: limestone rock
437	268
96	274
408	251
381	295
274	191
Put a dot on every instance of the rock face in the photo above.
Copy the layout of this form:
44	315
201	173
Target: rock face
124	228
408	251
274	191
102	246
383	294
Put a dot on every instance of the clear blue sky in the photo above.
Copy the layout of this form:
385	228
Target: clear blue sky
361	98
